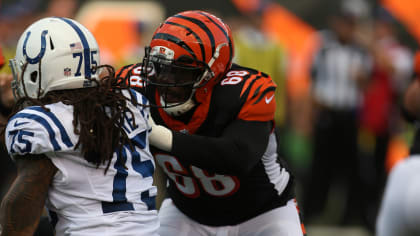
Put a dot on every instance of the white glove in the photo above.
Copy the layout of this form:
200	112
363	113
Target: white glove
160	136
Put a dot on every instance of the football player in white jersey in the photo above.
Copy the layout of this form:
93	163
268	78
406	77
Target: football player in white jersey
80	143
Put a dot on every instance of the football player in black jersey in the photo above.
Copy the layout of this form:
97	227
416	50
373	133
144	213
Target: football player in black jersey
214	134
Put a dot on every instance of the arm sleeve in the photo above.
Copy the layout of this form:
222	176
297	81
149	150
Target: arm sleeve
240	147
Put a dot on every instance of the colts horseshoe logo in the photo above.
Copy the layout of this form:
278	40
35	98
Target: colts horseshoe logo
41	53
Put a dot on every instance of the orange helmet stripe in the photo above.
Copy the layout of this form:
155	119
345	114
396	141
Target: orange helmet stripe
175	40
202	26
224	32
203	52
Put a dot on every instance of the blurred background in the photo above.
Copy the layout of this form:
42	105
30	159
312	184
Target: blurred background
341	68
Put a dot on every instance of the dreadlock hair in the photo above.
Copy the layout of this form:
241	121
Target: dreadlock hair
98	116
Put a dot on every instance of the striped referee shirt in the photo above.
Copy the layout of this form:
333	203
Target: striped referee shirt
334	72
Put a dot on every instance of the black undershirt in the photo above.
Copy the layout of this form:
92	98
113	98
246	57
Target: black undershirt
236	151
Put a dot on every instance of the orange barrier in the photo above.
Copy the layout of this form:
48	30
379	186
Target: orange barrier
247	6
397	151
121	28
118	37
407	11
299	39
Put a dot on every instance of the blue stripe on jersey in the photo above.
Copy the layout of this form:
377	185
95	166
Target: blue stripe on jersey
144	99
44	123
108	207
128	124
133	93
86	49
14	132
119	185
64	136
139	140
145	102
145	168
150	201
20	134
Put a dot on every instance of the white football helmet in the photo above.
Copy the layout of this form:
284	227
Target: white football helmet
54	54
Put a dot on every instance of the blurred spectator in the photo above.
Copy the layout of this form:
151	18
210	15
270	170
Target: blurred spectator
17	15
255	49
9	33
62	8
379	116
7	168
340	70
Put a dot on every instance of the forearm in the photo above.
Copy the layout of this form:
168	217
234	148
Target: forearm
216	154
23	204
21	211
236	151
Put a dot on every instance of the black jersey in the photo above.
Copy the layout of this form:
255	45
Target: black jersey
224	168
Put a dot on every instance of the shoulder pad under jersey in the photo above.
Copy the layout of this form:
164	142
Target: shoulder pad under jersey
35	130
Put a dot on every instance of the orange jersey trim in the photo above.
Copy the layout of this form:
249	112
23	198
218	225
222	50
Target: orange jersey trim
122	73
199	116
260	103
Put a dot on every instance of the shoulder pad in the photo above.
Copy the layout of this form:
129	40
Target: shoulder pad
258	98
35	130
131	74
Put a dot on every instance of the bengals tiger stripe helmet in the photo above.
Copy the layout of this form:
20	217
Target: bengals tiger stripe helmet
189	52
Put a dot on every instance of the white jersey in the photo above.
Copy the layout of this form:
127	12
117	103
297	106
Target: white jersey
399	214
83	199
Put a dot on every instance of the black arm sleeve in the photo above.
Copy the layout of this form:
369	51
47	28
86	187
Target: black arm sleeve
236	151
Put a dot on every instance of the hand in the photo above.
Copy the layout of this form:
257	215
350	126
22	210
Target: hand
6	92
160	136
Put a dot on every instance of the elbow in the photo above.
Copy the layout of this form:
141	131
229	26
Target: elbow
242	157
242	162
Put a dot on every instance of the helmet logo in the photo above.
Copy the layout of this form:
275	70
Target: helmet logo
67	72
165	52
87	83
41	53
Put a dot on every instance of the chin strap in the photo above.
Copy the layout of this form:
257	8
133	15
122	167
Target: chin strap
179	109
160	136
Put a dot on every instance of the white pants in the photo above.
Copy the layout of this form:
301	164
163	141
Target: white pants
399	214
282	221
